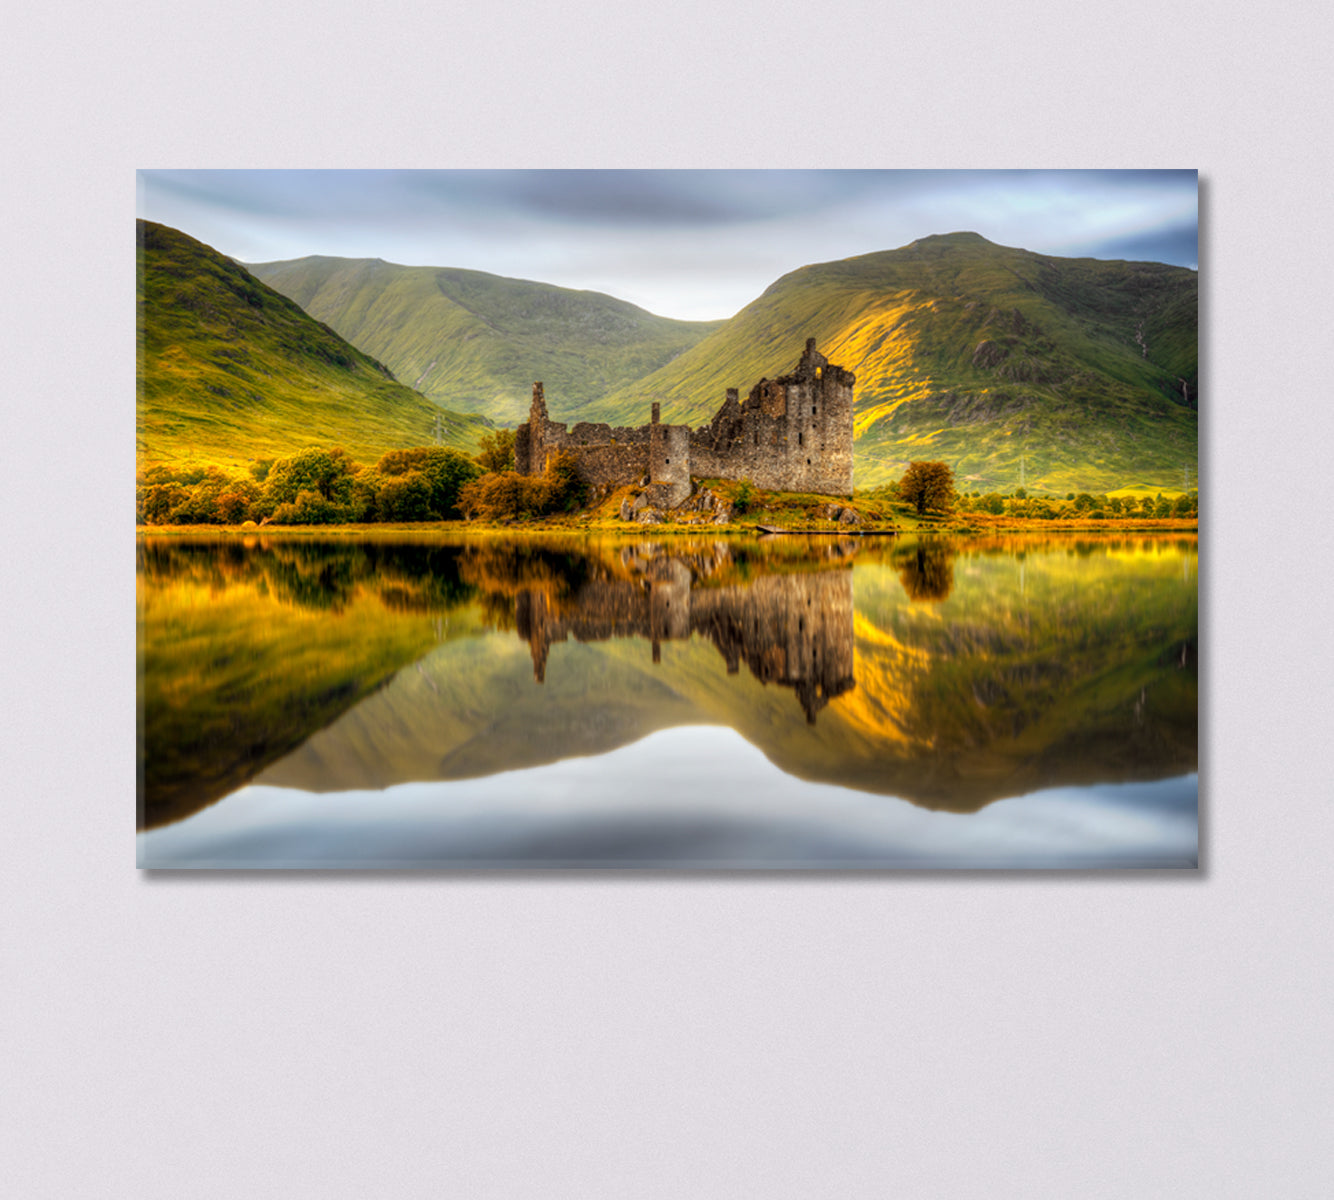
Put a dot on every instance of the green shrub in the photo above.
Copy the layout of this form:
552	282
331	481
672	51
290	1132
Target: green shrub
406	497
310	508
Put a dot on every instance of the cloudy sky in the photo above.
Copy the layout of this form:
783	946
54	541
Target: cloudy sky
691	244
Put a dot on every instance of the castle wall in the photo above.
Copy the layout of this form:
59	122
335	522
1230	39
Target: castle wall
613	464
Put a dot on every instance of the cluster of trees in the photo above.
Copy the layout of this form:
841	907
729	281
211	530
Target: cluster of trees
929	487
1020	503
312	487
325	487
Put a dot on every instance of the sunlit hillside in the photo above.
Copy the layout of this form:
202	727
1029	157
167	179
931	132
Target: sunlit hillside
230	370
1010	366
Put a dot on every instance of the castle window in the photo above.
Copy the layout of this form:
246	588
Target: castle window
812	410
799	441
808	462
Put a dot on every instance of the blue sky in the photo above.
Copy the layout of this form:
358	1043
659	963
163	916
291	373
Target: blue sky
692	244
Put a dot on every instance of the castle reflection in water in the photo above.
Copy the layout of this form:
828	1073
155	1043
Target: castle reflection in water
793	630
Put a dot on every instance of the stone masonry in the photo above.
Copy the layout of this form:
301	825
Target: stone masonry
790	434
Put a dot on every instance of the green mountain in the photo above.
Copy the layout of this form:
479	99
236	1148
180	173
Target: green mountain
230	370
976	354
477	342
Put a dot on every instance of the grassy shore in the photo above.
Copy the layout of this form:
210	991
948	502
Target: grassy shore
797	512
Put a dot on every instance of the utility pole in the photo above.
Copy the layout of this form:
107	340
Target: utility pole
437	429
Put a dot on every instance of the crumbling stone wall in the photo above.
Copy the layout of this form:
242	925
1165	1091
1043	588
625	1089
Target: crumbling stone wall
791	434
606	454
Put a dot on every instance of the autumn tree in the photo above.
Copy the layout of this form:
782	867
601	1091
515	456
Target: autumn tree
928	485
496	452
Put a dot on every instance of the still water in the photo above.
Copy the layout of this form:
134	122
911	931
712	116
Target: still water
823	702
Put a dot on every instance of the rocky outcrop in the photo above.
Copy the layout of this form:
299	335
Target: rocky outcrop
704	507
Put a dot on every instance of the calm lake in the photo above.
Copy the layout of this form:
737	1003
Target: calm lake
814	702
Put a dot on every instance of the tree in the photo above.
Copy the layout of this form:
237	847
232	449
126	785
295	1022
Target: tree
496	451
405	497
566	490
446	471
928	485
326	473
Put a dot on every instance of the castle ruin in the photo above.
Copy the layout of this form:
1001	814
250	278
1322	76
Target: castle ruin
791	434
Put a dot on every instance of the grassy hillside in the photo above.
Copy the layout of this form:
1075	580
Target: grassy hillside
976	354
477	342
231	370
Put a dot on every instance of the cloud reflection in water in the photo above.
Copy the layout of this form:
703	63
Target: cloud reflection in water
699	796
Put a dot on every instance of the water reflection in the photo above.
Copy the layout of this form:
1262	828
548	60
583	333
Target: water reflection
792	630
951	673
927	571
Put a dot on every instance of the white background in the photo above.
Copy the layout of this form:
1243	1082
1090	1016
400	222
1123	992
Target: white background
499	1036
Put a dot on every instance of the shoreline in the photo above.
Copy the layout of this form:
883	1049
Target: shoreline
653	532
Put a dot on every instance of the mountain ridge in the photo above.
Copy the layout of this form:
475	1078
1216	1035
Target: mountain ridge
474	339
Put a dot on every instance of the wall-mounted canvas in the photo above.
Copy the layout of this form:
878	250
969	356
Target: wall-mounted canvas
667	519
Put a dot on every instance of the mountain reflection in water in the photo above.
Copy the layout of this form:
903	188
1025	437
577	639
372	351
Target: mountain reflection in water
950	673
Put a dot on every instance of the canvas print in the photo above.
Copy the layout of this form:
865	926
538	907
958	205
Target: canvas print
667	519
